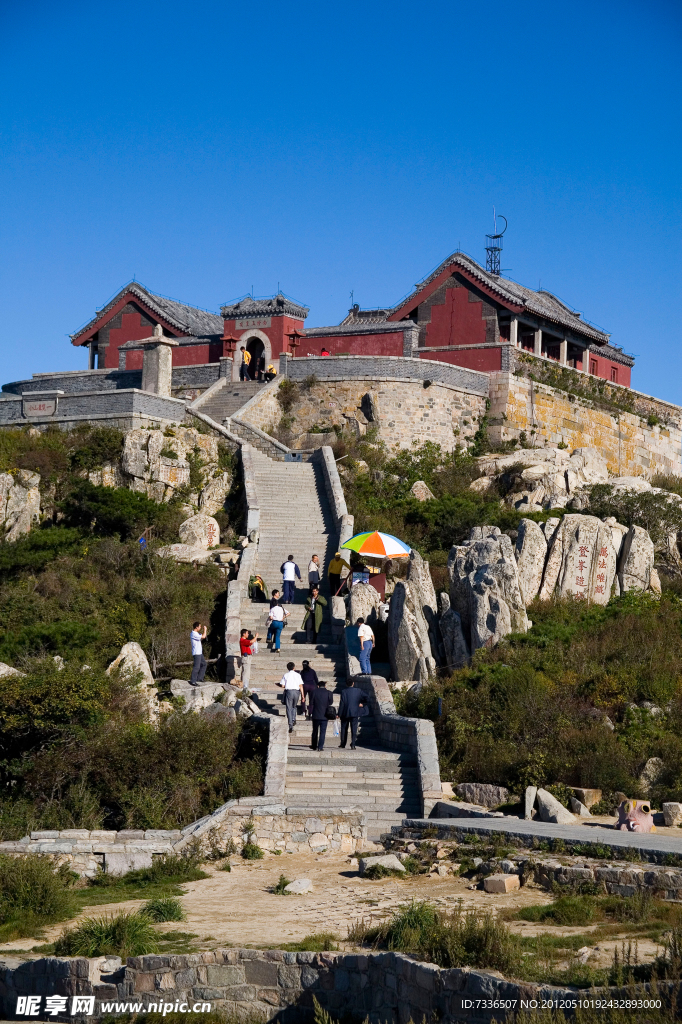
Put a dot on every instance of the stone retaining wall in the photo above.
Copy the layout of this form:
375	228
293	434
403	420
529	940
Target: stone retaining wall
631	445
79	381
396	732
127	409
387	987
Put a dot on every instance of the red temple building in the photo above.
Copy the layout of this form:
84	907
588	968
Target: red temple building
460	314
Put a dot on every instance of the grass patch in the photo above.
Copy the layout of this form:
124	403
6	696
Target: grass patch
318	942
163	908
377	871
252	851
120	935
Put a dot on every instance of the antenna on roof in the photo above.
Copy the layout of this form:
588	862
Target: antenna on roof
493	246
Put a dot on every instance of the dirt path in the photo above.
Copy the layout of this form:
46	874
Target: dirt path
236	908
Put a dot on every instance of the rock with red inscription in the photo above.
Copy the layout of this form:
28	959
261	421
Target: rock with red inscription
581	561
200	531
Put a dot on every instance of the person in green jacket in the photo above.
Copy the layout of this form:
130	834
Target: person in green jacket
314	612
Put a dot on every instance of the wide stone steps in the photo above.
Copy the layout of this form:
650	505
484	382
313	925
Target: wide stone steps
229	400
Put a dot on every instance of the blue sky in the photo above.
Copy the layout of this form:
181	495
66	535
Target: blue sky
207	148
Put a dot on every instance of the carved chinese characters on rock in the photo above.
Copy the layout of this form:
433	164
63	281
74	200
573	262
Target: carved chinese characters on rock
602	573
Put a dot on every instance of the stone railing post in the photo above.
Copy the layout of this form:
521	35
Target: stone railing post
157	363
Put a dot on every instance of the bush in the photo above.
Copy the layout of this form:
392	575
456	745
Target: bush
163	908
121	935
566	910
109	511
377	871
281	885
251	850
31	888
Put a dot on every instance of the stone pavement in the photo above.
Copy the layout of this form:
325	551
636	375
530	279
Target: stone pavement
650	846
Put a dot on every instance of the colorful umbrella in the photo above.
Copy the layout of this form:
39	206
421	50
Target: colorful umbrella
377	545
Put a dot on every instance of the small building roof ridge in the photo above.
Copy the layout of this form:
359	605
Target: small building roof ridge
190	319
269	305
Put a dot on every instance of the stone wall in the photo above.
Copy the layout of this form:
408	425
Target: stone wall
405	411
127	409
251	983
397	732
630	445
79	381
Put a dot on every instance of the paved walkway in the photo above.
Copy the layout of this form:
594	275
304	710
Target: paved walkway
651	846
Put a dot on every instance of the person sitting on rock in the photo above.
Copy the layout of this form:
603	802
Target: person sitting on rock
199	662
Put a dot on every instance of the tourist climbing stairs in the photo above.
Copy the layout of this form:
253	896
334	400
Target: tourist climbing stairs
295	518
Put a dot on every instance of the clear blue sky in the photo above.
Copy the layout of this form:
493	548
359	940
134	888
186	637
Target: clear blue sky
207	147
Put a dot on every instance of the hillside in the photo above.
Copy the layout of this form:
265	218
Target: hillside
591	692
76	749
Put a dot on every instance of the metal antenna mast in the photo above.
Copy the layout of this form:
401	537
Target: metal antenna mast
493	247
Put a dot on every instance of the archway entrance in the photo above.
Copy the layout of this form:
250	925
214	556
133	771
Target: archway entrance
255	348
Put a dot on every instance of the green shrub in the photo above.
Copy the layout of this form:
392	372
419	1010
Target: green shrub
109	511
163	908
98	446
566	910
251	850
121	935
281	885
31	887
377	871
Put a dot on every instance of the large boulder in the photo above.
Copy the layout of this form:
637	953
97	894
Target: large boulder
552	810
132	661
414	638
200	531
545	477
636	560
364	604
581	561
484	588
196	697
212	497
7	670
482	793
421	491
530	552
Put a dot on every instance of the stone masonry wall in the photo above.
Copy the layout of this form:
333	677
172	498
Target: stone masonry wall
406	412
250	984
630	445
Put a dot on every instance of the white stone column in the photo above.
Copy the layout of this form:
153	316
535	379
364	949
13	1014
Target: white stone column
157	363
514	332
563	350
537	344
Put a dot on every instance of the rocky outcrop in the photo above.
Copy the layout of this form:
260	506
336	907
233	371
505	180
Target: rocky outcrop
530	553
543	477
157	463
581	560
132	661
19	503
414	639
484	588
364	604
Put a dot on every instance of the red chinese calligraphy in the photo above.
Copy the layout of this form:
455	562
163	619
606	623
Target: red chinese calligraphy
580	581
599	590
601	578
210	531
602	563
603	553
581	566
583	552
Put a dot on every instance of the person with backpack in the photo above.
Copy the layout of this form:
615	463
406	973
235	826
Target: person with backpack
322	710
290	573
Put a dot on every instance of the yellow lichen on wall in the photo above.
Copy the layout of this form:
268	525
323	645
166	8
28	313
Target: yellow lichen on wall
630	445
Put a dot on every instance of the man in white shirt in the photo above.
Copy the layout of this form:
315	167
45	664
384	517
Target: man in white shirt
366	639
293	692
290	572
199	661
314	572
276	619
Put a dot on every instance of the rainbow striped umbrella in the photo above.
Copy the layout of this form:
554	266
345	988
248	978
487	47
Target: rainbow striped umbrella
377	545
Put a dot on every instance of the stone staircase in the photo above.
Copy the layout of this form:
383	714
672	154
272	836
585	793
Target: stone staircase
230	399
295	518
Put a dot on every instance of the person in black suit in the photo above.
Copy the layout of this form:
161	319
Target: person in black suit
320	700
349	713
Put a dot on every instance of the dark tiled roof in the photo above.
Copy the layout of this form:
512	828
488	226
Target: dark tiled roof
185	339
188	319
540	303
359	327
365	316
614	353
277	305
